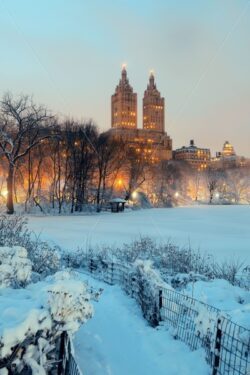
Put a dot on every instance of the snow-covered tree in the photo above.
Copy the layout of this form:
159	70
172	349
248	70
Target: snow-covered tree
23	126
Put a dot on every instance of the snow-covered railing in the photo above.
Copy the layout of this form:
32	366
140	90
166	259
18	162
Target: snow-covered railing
226	344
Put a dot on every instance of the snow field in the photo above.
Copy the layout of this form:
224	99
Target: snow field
220	230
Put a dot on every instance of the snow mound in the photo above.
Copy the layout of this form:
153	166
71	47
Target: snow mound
232	300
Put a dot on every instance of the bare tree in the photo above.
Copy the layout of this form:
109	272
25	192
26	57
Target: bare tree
136	165
213	179
110	154
238	184
80	139
23	126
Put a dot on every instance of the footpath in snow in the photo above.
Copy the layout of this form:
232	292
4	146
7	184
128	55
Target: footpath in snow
118	341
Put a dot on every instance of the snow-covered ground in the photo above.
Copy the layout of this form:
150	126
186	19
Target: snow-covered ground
220	230
118	341
233	301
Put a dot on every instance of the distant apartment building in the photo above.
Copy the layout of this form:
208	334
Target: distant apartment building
151	140
227	158
153	107
197	157
124	104
228	150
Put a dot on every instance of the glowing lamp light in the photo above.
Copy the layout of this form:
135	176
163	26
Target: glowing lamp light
4	193
217	195
134	195
176	194
119	182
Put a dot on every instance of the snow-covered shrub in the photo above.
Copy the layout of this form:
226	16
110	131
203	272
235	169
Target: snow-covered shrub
244	279
180	280
46	259
170	259
29	337
14	232
15	267
144	284
228	270
69	304
76	259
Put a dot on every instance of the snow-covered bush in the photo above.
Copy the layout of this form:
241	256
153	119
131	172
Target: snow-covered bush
76	259
30	335
14	232
144	284
170	259
180	280
46	259
244	278
15	267
69	302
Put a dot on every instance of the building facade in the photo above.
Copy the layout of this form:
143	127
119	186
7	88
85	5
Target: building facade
226	158
198	158
124	104
153	107
151	140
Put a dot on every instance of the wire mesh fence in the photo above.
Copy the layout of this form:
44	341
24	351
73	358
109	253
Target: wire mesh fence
67	363
199	325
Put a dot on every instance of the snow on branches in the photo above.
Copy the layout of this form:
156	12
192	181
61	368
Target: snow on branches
33	319
69	302
15	267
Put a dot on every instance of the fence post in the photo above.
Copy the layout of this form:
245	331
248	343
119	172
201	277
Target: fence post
217	348
61	368
160	306
160	299
112	274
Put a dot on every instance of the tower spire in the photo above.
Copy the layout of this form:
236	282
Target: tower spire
124	72
152	84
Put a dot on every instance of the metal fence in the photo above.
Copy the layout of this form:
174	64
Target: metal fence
226	344
67	363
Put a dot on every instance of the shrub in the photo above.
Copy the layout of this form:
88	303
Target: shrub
14	232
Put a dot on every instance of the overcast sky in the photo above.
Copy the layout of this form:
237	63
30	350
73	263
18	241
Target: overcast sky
68	55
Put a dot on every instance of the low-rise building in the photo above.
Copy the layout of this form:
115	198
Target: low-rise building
197	157
226	158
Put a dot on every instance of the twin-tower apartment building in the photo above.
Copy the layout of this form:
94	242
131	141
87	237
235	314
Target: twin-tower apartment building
151	140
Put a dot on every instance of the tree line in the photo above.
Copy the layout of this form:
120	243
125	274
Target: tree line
46	161
70	165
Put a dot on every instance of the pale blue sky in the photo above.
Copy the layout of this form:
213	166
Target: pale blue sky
68	54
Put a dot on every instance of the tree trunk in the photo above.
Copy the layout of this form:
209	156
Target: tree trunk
10	181
98	194
211	197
